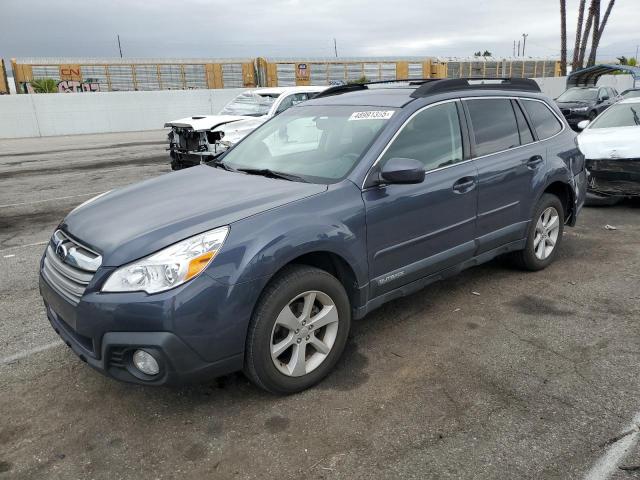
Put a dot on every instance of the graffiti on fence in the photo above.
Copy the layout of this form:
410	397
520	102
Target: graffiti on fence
48	85
74	86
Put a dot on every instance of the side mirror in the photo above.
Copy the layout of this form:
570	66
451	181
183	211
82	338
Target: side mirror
583	124
402	170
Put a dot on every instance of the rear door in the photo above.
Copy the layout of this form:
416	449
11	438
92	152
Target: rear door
509	163
417	230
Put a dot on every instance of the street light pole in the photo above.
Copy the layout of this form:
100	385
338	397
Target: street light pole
524	42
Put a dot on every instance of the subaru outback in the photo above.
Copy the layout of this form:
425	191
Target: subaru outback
259	260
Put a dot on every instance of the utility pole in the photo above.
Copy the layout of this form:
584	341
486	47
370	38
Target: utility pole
524	42
518	47
119	46
514	48
637	48
335	47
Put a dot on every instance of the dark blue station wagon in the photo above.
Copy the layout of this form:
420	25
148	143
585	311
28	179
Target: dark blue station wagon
259	260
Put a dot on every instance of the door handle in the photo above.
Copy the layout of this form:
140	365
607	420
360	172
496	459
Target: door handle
534	162
464	185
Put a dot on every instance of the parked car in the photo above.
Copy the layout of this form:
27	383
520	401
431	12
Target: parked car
259	260
630	93
585	103
611	145
197	139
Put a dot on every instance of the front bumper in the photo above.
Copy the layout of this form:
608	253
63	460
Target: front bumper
617	177
574	118
196	331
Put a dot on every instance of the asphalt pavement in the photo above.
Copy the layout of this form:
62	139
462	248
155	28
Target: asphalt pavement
494	374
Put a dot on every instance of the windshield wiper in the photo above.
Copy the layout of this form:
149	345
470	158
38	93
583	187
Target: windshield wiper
218	163
273	174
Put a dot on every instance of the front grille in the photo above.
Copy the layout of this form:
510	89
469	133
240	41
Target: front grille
69	266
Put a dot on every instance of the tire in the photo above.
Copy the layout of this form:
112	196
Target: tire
529	258
281	309
594	200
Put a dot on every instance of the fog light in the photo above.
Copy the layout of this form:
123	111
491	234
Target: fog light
145	362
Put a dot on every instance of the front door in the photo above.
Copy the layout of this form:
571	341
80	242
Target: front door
417	230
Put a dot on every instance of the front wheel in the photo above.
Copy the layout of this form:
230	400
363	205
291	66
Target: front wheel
544	234
298	330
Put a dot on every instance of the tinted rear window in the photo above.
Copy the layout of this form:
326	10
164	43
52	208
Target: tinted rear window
494	125
544	122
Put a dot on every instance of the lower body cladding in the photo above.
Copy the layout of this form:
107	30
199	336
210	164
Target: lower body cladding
191	333
613	178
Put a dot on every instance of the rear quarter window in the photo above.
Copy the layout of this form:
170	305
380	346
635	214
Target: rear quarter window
543	121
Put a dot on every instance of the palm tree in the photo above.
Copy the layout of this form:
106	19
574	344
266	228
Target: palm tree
44	85
597	33
585	36
576	48
563	37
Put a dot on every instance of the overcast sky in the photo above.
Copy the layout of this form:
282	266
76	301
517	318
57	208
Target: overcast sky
249	28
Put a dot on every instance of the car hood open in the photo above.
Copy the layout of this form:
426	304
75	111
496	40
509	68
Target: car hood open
610	143
135	221
202	123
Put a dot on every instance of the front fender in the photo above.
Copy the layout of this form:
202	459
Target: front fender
260	245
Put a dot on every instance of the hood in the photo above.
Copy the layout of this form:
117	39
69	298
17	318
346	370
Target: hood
137	220
201	123
236	131
610	143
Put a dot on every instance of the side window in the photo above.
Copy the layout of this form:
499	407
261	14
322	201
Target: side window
433	137
291	100
494	125
525	132
602	93
544	122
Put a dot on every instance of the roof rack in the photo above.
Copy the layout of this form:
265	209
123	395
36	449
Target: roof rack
475	83
352	87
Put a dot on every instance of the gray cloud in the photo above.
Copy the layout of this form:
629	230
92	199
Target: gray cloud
248	28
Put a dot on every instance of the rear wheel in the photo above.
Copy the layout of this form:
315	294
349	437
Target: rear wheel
298	331
544	234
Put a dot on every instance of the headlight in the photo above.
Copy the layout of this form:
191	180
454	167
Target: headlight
580	109
169	267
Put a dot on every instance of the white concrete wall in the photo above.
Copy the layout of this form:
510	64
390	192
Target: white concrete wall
52	114
46	115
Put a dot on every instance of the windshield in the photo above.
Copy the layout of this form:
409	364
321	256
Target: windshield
620	115
253	104
579	95
631	94
319	144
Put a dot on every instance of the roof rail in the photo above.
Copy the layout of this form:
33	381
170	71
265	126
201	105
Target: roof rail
475	83
352	87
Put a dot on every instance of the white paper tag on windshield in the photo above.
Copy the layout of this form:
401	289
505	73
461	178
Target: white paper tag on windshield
372	115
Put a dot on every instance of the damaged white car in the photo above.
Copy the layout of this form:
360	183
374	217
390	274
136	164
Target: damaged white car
611	146
198	139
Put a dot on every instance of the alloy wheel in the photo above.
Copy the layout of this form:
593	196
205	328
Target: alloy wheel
304	333
546	233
